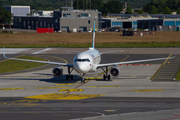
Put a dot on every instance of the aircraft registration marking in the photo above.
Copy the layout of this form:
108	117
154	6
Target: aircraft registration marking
12	88
71	90
62	96
148	90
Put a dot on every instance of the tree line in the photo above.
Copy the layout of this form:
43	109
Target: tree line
162	6
5	16
38	4
111	6
104	6
134	3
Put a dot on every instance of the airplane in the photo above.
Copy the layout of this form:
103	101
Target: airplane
86	62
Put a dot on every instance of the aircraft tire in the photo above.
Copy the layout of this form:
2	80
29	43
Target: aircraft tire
67	77
71	77
104	77
109	77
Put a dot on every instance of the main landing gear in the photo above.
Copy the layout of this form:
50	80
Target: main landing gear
106	76
70	69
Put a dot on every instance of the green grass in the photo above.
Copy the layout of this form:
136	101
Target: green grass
98	45
178	75
15	65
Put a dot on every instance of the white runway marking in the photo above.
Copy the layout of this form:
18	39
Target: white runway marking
42	51
13	50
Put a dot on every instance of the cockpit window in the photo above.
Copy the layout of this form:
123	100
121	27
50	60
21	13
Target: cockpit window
82	60
79	60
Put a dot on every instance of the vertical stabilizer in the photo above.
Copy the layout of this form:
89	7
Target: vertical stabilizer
93	40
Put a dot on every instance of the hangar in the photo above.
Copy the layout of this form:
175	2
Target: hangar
161	24
123	21
152	22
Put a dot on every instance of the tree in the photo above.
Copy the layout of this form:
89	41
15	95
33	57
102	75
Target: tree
91	4
178	11
128	10
167	10
79	4
147	7
96	4
161	6
5	15
112	7
140	11
153	10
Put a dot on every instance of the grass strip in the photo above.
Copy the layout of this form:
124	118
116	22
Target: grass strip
178	75
98	45
15	65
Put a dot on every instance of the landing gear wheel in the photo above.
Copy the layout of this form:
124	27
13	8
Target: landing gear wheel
67	77
83	80
109	77
71	77
104	77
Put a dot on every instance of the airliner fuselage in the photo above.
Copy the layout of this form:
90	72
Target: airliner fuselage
87	61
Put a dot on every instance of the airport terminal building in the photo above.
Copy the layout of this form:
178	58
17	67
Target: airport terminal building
18	10
65	19
76	20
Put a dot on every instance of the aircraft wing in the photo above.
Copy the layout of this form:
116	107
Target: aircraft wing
136	61
73	51
46	62
112	52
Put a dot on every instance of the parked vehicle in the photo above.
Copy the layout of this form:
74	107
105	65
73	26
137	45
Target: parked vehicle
79	31
68	31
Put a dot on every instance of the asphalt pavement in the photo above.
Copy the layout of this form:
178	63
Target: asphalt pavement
36	94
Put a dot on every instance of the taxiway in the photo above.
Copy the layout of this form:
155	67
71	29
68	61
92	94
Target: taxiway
35	94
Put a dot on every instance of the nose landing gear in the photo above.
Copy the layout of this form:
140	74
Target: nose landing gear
83	79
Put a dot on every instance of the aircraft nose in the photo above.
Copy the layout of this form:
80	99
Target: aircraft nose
84	67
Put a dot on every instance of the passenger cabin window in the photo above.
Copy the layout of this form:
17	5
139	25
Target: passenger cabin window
82	60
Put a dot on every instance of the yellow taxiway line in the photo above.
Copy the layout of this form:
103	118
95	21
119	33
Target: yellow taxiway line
61	96
147	90
12	88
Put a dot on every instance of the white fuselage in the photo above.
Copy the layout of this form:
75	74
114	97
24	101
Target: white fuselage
87	61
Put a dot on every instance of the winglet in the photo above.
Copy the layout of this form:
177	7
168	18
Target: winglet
93	40
4	52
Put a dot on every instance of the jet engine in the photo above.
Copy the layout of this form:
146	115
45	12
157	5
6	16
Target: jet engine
57	72
114	72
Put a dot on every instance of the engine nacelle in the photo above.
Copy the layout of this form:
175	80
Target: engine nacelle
114	72
57	72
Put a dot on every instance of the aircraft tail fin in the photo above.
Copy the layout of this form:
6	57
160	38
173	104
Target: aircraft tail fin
4	52
93	40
